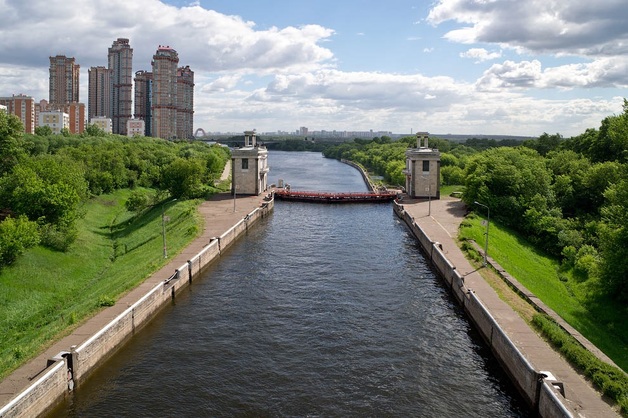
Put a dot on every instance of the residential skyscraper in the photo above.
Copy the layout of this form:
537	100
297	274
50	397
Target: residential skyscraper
164	94
121	65
99	96
143	98
185	103
64	80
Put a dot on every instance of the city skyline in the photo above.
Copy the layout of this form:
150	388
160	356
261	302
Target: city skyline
450	66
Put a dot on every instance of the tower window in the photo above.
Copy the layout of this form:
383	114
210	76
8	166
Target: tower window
426	165
245	164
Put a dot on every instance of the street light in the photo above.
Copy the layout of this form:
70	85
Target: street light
163	226
428	189
488	222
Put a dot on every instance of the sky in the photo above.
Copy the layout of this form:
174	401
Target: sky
494	67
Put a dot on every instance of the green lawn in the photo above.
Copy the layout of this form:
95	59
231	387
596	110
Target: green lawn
581	303
45	292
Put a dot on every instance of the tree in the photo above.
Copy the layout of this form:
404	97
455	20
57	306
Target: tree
613	243
184	178
10	141
43	130
93	130
16	235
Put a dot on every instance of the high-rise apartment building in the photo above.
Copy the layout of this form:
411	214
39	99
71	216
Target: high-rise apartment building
121	65
185	103
64	80
164	94
99	92
24	108
143	99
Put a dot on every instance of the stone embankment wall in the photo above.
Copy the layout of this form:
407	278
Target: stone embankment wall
538	391
79	362
365	175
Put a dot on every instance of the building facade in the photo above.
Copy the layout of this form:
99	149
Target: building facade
143	99
102	122
249	167
24	108
164	93
55	119
135	127
185	103
64	80
99	92
422	169
120	59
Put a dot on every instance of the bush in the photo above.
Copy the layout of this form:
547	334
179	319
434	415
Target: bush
58	237
138	201
16	235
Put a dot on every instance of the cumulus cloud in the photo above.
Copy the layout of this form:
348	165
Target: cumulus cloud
480	54
203	38
578	27
606	72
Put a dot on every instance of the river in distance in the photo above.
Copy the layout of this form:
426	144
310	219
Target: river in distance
319	311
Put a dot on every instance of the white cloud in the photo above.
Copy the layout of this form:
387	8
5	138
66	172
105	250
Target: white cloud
480	54
577	27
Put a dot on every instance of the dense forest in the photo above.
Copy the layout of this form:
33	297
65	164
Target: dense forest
45	179
567	196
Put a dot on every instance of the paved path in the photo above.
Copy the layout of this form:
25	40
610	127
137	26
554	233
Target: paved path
442	225
219	217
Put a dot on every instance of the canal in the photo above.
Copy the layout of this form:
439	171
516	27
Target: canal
321	310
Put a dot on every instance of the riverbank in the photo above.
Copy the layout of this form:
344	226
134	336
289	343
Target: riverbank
220	213
439	221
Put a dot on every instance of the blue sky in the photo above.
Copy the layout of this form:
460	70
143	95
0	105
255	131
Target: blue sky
506	67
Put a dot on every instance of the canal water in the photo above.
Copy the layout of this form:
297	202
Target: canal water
320	311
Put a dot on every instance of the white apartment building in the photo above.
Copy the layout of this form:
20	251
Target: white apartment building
103	123
135	127
55	119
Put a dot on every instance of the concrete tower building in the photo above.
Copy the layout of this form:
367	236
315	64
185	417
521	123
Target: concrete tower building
249	167
99	96
143	99
64	80
185	103
164	94
121	66
423	169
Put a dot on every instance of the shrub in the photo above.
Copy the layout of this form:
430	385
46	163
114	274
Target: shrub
16	235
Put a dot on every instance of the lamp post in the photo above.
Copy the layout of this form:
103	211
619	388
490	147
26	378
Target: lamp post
235	188
488	222
163	227
428	189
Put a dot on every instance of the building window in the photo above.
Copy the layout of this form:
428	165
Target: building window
426	165
245	164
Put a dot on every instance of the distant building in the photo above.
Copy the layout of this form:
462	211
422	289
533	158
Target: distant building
99	92
63	86
120	59
75	111
24	108
4	109
55	119
135	127
249	167
185	103
102	122
164	93
422	169
143	99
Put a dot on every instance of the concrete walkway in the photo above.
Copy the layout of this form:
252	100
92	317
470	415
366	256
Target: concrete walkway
442	225
219	216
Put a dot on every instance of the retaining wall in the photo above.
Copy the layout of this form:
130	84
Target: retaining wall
72	369
541	393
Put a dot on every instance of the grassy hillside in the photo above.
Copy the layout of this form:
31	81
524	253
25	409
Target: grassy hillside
45	293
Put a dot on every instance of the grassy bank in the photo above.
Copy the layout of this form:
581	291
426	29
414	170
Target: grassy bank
45	293
581	304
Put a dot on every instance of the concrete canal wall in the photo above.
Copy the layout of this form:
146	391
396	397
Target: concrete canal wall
536	388
75	365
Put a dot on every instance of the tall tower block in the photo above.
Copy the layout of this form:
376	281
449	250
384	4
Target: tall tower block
249	167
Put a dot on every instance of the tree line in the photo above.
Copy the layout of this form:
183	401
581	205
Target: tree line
45	179
569	197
